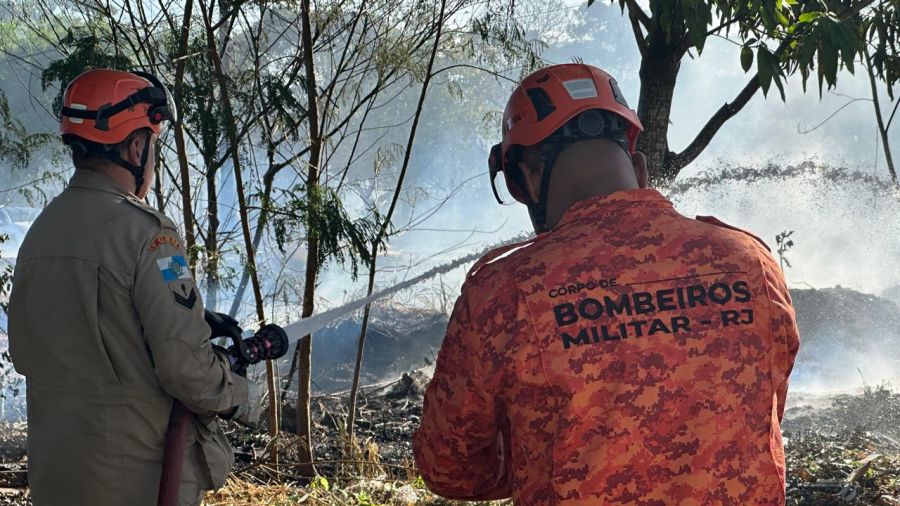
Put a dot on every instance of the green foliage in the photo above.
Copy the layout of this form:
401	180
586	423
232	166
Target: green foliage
87	50
196	99
287	110
363	499
746	58
16	144
320	483
319	210
501	40
880	30
786	36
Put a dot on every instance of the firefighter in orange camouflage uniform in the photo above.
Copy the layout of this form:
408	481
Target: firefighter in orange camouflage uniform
627	354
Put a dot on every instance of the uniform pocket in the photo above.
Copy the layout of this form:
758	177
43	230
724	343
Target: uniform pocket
216	457
102	350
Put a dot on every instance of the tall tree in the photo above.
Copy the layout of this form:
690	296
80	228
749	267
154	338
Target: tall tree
879	31
779	38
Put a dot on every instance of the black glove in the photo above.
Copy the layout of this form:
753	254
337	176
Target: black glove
232	360
222	325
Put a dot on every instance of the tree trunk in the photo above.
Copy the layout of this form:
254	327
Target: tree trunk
659	71
212	239
157	188
304	371
243	213
304	360
882	130
363	329
262	218
383	229
180	148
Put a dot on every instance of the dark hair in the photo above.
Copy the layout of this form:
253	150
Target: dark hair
84	150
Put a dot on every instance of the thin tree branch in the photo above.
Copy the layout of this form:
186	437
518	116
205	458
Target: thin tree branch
639	37
725	113
893	113
634	10
832	115
730	109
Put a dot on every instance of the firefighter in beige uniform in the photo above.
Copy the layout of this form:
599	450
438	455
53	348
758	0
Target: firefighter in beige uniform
107	324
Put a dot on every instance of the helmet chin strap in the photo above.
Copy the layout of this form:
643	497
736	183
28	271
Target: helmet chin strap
136	170
549	153
538	210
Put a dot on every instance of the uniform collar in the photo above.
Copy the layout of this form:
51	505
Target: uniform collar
93	180
597	205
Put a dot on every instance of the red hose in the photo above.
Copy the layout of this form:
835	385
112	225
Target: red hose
173	457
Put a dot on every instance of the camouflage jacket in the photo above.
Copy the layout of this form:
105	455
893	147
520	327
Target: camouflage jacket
629	356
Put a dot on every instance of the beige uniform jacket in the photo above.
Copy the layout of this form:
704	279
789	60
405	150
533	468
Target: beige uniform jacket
107	326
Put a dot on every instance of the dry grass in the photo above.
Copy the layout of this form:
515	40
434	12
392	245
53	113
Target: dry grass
356	477
237	492
364	492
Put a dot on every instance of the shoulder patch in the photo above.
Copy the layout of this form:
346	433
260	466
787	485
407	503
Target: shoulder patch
184	293
496	254
173	268
163	239
712	220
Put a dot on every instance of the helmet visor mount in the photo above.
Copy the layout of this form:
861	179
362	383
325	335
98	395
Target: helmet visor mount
591	124
163	108
514	188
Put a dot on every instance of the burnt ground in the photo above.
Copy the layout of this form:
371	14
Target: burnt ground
844	449
841	449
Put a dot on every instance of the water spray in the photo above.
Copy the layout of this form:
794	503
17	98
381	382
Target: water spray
315	322
819	173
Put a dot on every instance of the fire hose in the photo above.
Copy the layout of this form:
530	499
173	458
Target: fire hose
269	343
241	355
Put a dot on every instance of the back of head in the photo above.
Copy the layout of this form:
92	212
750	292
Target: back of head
101	108
552	109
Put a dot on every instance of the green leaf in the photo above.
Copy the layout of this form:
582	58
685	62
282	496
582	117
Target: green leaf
849	44
764	69
828	64
809	17
780	86
781	18
804	74
320	482
746	58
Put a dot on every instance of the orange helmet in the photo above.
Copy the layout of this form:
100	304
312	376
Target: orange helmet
105	106
102	107
573	101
